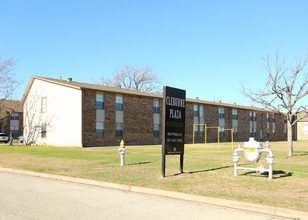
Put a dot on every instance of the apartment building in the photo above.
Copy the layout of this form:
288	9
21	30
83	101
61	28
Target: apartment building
69	113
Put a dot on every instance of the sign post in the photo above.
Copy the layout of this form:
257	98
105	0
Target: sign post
174	103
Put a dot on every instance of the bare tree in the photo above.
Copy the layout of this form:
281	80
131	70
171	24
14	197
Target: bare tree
34	119
141	79
284	92
7	84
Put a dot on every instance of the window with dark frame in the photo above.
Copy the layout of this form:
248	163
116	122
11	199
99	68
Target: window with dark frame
274	125
156	130
119	130
100	129
14	129
235	132
222	132
250	116
196	131
14	116
202	132
43	130
234	114
119	103
235	118
268	125
221	112
156	106
100	101
195	110
201	112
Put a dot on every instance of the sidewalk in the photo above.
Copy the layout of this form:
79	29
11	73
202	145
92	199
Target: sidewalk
247	207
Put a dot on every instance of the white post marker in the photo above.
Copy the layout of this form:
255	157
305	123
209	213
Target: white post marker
122	152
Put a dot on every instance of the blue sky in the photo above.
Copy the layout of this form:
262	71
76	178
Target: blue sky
206	47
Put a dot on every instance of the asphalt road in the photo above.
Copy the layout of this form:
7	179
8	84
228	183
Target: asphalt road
28	197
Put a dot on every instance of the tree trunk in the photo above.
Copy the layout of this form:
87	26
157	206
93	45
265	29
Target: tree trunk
290	139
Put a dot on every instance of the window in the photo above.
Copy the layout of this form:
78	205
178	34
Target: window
100	101
156	130
195	110
274	125
119	130
43	104
254	124
268	117
119	103
250	131
202	130
221	112
100	129
235	122
235	132
14	116
250	116
268	125
234	114
201	112
14	129
274	129
221	132
156	106
196	131
43	131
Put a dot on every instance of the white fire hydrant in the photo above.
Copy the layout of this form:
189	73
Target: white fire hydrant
122	152
252	152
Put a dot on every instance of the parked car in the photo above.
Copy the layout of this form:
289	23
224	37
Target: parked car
4	137
21	139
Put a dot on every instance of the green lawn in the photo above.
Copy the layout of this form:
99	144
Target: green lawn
207	171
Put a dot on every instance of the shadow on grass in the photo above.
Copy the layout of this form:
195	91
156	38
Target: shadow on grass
277	174
300	153
145	162
204	171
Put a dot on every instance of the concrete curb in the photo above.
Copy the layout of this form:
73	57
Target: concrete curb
242	206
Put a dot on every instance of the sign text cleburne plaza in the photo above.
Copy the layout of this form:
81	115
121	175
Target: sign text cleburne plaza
174	103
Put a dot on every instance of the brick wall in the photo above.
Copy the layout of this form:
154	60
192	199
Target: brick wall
138	121
89	117
8	122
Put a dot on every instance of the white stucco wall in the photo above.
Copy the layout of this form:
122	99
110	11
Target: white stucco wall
63	115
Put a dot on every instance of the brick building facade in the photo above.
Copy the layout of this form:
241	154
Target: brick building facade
138	122
110	114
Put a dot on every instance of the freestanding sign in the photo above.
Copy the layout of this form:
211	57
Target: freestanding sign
174	103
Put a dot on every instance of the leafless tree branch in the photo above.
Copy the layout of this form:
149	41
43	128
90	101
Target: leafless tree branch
141	79
284	88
